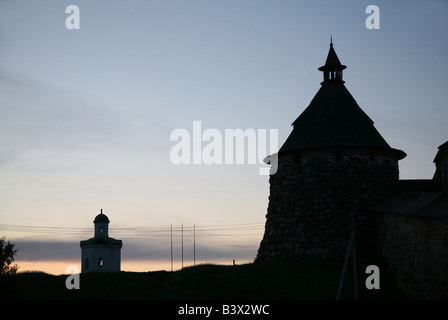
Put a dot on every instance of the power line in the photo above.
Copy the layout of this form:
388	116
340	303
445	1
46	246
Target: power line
223	230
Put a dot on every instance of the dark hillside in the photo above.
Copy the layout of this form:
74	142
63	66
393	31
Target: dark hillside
286	280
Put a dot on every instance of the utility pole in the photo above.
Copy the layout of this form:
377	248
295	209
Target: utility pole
194	245
171	227
182	246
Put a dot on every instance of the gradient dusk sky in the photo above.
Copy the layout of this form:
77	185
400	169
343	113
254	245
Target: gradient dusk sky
86	115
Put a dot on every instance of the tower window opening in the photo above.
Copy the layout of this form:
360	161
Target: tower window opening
100	262
339	74
101	230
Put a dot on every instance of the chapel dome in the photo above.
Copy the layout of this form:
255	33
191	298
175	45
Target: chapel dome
101	217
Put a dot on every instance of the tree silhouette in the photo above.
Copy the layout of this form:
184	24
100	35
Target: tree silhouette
7	254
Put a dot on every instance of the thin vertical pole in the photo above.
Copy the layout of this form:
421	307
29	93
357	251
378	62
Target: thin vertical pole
355	272
194	244
347	255
171	227
182	246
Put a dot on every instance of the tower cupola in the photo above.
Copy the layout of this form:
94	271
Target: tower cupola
333	68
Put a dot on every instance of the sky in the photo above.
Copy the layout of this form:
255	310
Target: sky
86	114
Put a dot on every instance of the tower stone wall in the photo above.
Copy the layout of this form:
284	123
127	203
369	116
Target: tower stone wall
316	196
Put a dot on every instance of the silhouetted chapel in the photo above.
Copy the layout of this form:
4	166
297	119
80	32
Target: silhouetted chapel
101	253
331	169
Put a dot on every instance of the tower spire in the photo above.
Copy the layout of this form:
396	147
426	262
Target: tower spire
333	68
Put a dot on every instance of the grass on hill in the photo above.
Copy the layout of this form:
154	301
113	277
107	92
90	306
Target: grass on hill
277	280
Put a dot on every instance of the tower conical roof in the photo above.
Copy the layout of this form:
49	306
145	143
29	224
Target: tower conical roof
334	118
332	62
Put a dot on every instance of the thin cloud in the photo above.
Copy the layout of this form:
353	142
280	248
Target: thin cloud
134	250
37	116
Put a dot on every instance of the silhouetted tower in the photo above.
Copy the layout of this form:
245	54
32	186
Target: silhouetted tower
333	166
101	253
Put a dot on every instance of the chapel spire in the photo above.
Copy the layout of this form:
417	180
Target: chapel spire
333	68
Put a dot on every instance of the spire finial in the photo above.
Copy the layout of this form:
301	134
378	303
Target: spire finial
331	40
101	211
